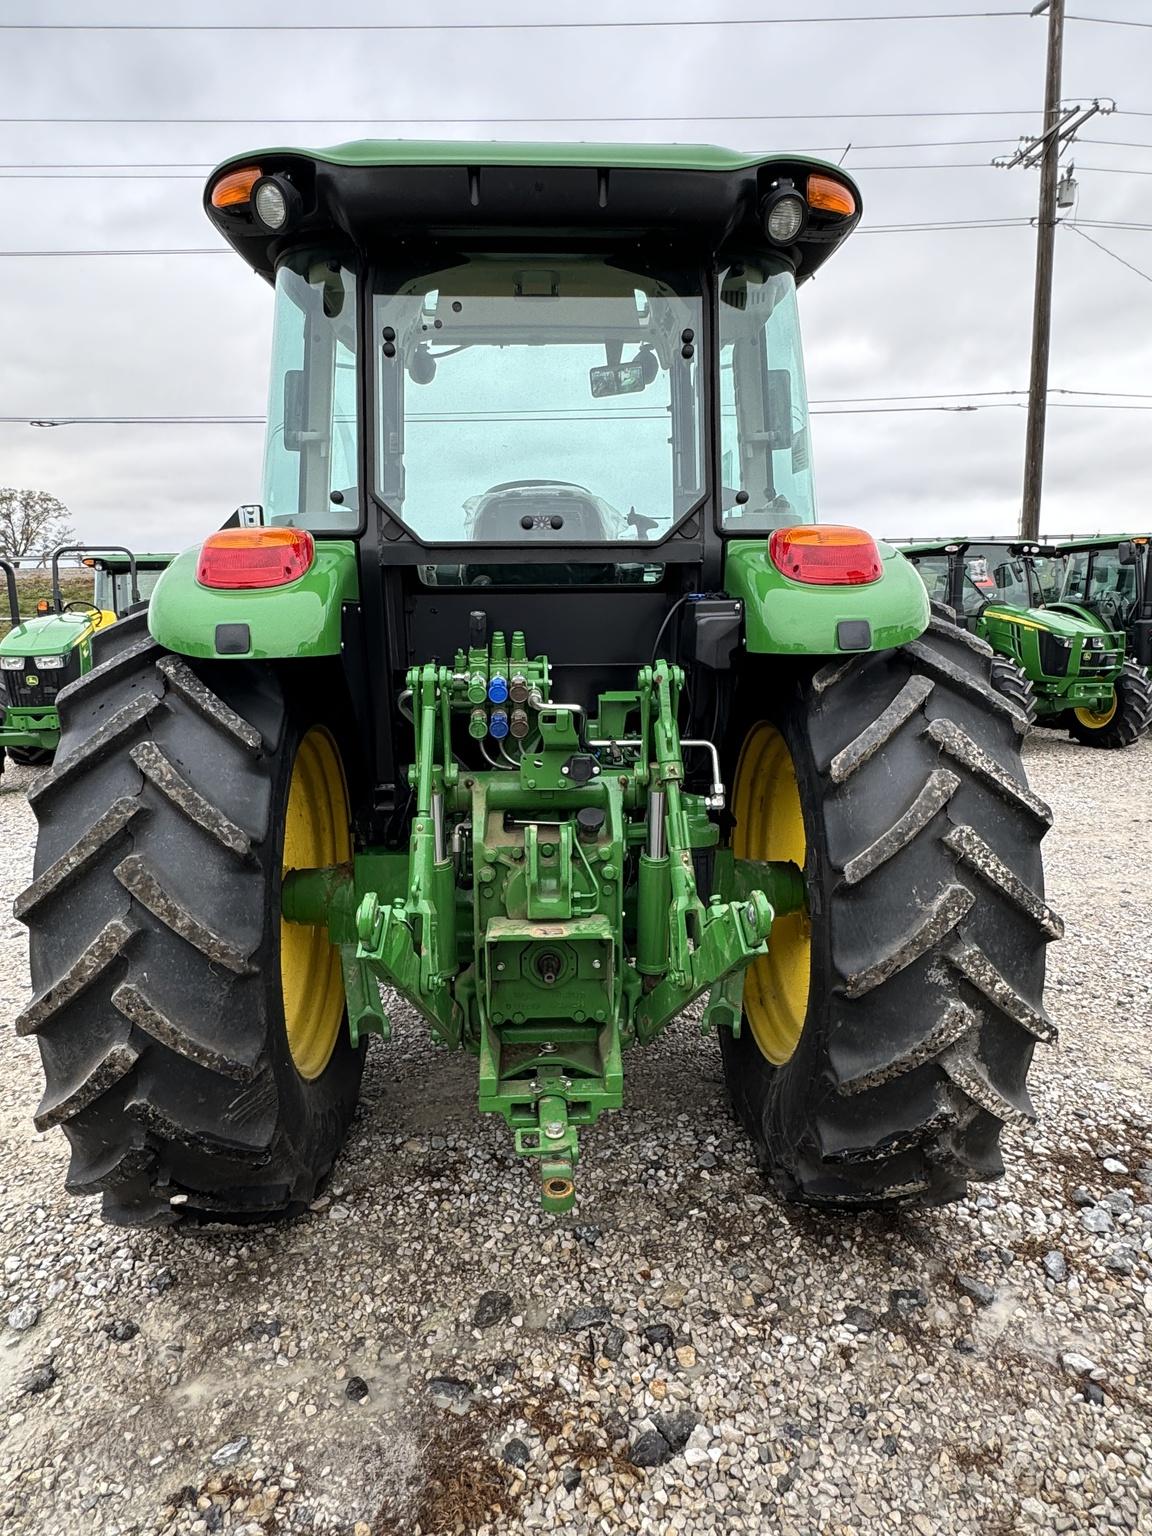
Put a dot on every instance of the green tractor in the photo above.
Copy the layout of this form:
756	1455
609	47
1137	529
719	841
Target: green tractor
43	654
1008	592
536	694
1110	577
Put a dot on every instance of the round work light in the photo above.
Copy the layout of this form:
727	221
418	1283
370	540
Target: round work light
784	214
276	203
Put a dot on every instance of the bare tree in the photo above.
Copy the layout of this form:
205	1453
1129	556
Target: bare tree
32	523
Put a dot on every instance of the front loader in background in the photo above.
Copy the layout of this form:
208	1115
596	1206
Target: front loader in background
536	693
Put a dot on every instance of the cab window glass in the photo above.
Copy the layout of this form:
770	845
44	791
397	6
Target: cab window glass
310	474
933	571
765	448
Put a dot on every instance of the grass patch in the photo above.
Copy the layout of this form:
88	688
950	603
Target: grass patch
31	586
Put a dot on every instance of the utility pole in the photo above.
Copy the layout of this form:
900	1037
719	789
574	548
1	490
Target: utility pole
1042	303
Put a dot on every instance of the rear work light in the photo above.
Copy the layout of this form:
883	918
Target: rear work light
255	557
825	555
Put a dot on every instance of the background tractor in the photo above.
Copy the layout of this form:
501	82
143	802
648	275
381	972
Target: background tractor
1110	577
536	693
1008	592
42	654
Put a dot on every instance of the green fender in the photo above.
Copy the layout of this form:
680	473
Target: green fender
299	619
794	618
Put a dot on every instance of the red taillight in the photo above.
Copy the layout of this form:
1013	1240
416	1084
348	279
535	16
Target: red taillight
255	557
825	555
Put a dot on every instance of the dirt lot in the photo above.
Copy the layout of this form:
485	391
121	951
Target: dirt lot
426	1352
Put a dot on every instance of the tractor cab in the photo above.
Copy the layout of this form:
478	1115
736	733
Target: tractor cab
115	591
1109	576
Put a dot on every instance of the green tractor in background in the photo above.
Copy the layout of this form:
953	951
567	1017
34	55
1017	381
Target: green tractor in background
536	579
43	654
1008	592
1109	576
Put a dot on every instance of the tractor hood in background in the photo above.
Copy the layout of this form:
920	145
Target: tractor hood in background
1064	626
52	635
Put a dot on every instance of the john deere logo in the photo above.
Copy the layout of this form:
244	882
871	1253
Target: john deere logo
31	680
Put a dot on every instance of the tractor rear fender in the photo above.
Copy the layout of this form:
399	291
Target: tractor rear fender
297	620
794	618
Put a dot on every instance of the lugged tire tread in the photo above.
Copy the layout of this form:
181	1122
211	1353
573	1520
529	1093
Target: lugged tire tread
975	852
944	670
138	1009
164	1055
92	962
103	741
56	1108
153	764
932	1003
959	745
853	757
103	831
181	676
932	799
150	891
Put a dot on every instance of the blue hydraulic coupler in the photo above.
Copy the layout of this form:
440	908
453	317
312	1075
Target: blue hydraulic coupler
498	724
498	690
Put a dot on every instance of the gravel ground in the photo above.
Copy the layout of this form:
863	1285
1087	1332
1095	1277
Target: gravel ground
425	1352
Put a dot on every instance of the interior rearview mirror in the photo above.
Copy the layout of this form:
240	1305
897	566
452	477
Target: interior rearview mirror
616	379
778	407
295	409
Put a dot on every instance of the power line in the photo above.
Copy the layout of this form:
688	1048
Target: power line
189	250
1139	273
841	405
223	250
142	173
1109	21
502	26
446	122
921	227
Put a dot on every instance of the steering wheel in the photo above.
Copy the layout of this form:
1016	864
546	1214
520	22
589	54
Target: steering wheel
78	605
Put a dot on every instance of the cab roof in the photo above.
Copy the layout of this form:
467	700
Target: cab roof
372	192
1100	540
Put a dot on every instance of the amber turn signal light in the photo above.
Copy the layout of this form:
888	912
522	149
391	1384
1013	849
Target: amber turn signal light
235	188
830	196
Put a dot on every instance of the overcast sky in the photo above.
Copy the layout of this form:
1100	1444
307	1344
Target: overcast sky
943	312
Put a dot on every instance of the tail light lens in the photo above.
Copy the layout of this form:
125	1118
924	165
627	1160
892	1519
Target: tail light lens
825	555
255	557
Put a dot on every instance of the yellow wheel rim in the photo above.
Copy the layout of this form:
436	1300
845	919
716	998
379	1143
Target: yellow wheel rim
769	824
1094	721
315	834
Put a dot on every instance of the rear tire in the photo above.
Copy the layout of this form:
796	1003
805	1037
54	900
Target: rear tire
154	921
1013	682
1130	719
927	925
